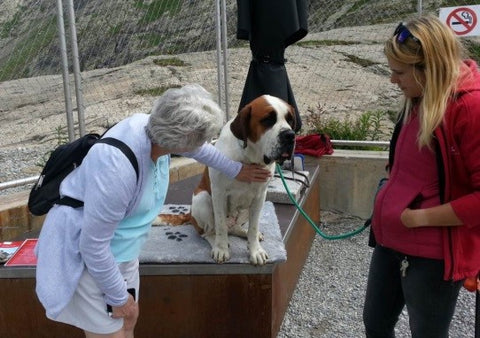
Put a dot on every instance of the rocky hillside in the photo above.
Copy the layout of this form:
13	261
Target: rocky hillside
346	77
132	30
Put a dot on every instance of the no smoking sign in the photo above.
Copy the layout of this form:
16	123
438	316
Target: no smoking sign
462	20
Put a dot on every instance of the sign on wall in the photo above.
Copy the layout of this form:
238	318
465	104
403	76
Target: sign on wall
463	20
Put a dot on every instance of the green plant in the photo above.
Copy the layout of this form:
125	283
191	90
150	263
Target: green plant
359	61
61	138
357	5
27	48
453	3
8	26
156	8
170	62
367	127
115	30
149	40
156	91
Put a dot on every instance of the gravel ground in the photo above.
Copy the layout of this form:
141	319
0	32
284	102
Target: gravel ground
328	300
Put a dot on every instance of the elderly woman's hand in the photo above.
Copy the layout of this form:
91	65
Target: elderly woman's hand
129	313
253	173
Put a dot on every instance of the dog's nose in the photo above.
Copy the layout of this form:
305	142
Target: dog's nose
287	136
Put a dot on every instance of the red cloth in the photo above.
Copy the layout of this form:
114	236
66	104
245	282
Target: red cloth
313	145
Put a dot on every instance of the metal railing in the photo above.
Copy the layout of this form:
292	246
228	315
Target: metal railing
338	143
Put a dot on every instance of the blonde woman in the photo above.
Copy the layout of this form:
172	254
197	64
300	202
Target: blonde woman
426	219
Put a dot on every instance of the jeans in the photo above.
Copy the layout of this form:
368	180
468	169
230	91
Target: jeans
430	300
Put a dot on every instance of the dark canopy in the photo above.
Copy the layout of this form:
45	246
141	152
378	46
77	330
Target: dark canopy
270	26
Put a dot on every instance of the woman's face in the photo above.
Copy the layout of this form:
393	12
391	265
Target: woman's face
408	78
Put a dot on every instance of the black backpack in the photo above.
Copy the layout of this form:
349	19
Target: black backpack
45	193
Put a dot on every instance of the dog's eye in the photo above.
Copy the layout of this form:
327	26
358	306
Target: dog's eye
269	120
290	120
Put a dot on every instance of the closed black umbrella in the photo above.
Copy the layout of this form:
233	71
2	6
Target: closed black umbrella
270	26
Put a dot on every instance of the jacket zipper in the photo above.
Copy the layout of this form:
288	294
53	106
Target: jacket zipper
442	183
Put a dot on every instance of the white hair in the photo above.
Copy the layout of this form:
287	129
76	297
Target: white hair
184	118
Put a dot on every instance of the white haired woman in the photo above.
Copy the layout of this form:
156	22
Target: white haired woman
87	271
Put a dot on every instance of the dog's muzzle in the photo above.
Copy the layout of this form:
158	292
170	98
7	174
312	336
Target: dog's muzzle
286	141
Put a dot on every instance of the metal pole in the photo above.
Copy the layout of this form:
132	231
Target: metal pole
225	57
66	86
354	143
76	68
419	7
219	70
18	183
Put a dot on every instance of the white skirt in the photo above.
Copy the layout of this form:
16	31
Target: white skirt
87	309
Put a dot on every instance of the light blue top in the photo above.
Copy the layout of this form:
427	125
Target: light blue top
74	239
132	231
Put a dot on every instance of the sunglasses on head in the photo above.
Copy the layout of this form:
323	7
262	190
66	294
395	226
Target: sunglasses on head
403	34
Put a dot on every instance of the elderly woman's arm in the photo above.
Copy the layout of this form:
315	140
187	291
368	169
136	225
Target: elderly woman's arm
210	156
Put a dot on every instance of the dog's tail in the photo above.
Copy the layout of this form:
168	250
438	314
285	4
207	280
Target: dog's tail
171	219
177	219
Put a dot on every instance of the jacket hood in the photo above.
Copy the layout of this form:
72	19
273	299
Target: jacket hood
469	79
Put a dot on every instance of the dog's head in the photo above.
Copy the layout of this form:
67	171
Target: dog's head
266	124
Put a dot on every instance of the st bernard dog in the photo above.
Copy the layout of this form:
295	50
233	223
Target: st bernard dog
261	133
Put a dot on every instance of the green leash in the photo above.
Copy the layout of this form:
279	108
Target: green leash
312	223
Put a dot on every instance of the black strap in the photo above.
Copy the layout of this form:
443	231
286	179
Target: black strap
71	202
124	148
74	203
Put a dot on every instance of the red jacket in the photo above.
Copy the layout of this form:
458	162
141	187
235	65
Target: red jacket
457	145
459	142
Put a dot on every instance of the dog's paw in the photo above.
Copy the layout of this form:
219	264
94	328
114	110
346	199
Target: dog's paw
220	255
260	236
258	257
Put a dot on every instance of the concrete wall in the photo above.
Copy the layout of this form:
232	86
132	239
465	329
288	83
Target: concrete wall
348	180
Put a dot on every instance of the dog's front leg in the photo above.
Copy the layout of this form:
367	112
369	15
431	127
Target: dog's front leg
220	251
258	256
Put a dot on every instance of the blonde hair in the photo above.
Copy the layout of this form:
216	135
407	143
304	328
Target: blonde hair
437	52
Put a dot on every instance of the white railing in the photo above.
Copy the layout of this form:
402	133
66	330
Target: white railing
338	143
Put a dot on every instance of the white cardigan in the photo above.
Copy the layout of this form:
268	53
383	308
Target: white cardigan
72	239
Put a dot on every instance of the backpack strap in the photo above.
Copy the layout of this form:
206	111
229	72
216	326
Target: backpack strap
124	148
74	203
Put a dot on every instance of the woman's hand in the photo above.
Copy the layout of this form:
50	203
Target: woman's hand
410	218
253	173
129	313
440	215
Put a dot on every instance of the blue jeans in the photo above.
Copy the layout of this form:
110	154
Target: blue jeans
429	299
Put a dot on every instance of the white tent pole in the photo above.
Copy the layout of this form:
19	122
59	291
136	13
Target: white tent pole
76	68
66	86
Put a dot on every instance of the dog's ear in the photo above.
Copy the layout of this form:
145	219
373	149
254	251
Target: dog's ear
293	122
240	126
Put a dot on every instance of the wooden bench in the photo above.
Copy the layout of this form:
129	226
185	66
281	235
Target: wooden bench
188	300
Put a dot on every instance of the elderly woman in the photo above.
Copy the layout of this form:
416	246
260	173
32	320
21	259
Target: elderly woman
87	272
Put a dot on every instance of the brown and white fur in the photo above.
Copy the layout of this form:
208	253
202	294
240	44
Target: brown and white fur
261	133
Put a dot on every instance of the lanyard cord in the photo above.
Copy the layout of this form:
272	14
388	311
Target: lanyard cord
312	223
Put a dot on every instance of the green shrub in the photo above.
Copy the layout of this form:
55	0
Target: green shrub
156	91
61	138
367	127
170	62
153	10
